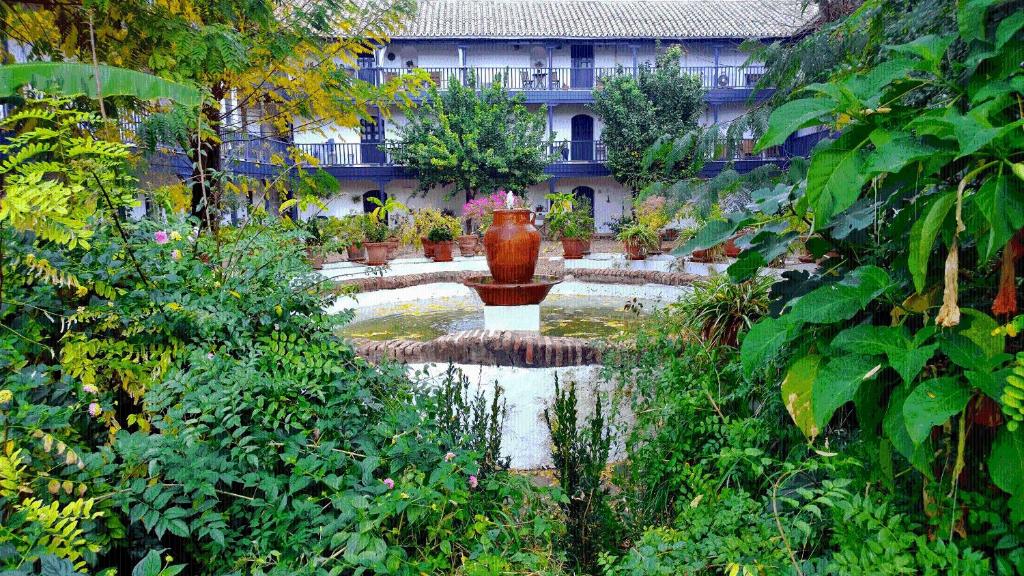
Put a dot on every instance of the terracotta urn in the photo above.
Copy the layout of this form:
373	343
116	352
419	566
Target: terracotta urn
467	245
443	251
376	253
428	247
572	248
512	244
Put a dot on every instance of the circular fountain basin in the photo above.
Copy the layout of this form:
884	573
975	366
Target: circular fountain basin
494	294
565	315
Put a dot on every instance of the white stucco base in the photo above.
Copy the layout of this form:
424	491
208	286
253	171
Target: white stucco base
518	318
528	391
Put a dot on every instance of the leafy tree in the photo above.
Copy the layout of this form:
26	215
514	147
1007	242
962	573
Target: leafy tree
475	141
661	102
246	54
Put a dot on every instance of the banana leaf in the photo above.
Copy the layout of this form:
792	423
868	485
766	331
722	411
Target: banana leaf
73	78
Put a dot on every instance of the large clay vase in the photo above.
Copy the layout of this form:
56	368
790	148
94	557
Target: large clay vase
356	253
512	244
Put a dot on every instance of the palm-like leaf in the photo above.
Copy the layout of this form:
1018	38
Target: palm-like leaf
72	78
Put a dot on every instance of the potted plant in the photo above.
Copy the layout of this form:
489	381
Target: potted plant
572	225
653	213
376	241
314	233
638	238
379	216
443	239
351	236
423	220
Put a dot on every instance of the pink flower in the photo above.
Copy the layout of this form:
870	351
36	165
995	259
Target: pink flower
95	410
449	456
209	355
160	237
89	389
176	254
389	483
473	482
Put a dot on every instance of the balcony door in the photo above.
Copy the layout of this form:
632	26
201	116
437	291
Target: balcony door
367	69
582	147
582	74
371	137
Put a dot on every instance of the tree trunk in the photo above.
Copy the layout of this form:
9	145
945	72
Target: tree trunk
206	161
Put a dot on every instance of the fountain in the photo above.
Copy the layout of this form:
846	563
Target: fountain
512	294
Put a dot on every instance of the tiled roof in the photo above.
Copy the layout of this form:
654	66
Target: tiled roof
597	19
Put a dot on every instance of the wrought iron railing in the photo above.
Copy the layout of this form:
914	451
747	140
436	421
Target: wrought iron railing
548	79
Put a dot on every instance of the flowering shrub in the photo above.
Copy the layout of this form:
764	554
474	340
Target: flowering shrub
482	209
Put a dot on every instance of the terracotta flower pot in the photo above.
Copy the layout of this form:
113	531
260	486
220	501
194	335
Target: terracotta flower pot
704	256
572	248
467	245
634	251
586	247
315	259
512	244
731	249
392	247
443	251
428	247
376	253
356	253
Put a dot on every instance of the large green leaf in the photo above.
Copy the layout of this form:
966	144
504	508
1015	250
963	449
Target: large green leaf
792	116
932	403
1006	466
841	300
763	342
72	78
930	48
834	181
904	355
712	234
895	429
838	382
797	390
923	234
1002	206
896	152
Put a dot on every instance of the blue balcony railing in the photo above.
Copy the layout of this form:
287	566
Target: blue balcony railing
553	79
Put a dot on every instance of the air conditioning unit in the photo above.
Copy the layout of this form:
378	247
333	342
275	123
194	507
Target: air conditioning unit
723	81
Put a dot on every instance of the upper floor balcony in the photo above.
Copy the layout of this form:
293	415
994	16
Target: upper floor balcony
571	84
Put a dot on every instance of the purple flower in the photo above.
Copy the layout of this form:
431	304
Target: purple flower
176	254
449	456
473	482
389	483
160	237
95	410
89	389
209	355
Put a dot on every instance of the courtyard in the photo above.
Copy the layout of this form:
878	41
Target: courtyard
491	287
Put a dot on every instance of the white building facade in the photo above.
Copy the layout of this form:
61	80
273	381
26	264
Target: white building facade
555	53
